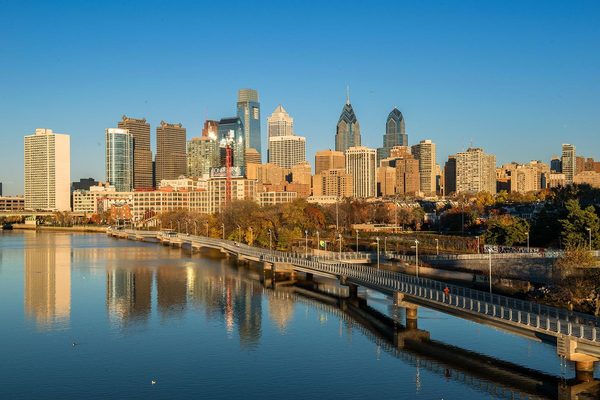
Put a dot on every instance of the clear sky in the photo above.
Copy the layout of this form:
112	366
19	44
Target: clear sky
518	78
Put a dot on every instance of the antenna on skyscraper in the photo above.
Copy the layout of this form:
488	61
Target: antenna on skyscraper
347	94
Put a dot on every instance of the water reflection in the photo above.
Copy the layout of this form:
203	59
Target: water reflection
129	294
48	280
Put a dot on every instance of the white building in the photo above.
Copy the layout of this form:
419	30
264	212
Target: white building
568	162
361	164
285	148
475	171
47	171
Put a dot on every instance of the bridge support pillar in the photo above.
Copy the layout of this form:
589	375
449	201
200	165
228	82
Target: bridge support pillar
411	317
352	291
584	363
398	298
584	371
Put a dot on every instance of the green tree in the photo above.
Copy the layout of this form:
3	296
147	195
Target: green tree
578	225
506	230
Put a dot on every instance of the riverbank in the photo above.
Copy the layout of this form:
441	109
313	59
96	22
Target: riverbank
79	228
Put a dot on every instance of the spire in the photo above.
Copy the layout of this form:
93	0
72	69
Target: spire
347	94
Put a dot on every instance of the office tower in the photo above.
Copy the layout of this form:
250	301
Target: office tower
142	155
555	165
119	159
329	159
395	134
280	123
301	173
47	171
203	152
475	172
386	181
248	110
348	129
231	133
425	153
251	156
170	151
450	176
568	162
361	163
83	184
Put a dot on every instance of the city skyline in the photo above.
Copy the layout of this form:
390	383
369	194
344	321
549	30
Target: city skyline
503	77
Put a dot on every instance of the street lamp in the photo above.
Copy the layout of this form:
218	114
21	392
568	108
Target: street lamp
385	245
477	244
340	239
318	242
417	257
357	240
377	238
223	226
206	223
195	229
490	268
437	247
527	234
590	233
270	240
306	243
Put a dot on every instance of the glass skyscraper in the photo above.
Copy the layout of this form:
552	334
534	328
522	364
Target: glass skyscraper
348	129
119	159
231	131
248	110
395	134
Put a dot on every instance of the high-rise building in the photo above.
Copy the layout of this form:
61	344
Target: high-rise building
248	110
425	153
395	134
285	148
203	152
475	172
231	133
47	171
170	151
361	163
251	156
407	180
332	182
450	176
555	165
348	129
568	162
119	159
142	155
329	159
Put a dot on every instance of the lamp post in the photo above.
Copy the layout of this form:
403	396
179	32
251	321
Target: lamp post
417	257
590	233
357	240
239	233
490	268
206	223
527	234
437	247
377	238
306	243
223	226
318	241
340	239
195	229
477	244
385	245
270	240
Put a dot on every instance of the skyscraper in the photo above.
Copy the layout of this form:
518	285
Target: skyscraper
203	152
425	153
119	159
568	161
248	110
348	129
329	159
142	155
285	148
170	151
361	164
231	132
395	134
47	171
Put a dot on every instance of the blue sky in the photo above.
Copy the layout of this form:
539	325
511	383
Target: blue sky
516	78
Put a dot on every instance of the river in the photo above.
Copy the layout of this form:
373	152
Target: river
88	316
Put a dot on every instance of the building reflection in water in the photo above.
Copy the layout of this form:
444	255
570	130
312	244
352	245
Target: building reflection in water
171	286
48	280
129	294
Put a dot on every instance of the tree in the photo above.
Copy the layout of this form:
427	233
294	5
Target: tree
506	230
578	225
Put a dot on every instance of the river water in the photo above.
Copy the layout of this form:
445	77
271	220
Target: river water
88	316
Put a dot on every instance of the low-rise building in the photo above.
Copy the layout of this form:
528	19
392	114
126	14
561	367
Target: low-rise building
272	198
12	203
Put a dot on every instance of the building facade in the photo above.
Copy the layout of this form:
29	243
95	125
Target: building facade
248	110
171	155
475	172
425	153
568	162
287	151
12	203
361	163
232	134
395	134
329	159
47	171
139	129
332	183
119	159
347	130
